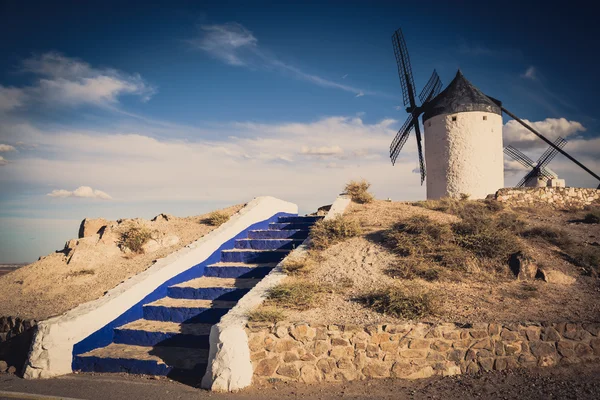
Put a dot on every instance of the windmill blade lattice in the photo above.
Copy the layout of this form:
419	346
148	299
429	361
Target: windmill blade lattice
519	156
404	69
432	88
401	138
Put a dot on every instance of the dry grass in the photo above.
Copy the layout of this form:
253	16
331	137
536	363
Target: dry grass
393	302
81	272
297	294
134	238
592	217
328	232
266	314
550	234
433	250
216	218
359	191
297	265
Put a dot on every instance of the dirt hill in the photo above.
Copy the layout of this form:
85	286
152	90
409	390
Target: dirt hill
105	254
462	257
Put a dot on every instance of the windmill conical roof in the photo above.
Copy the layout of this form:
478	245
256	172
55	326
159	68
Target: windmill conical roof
460	96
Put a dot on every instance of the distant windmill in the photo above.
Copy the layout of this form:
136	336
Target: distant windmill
431	89
463	134
539	171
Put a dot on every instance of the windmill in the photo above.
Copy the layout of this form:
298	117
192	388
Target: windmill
539	171
431	89
463	132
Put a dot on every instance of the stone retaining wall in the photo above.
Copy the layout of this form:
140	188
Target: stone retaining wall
555	197
305	353
13	326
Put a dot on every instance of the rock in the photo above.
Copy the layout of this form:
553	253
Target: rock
565	349
3	366
326	365
12	370
552	276
550	335
290	356
288	370
540	349
267	366
487	364
162	218
376	370
310	374
522	266
583	350
90	227
303	333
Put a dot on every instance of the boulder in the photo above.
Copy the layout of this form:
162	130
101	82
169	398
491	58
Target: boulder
522	266
90	227
552	276
3	366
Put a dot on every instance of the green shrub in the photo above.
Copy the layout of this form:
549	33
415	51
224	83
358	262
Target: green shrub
328	232
392	301
135	237
265	314
358	191
216	218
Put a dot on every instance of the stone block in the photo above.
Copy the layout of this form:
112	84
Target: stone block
341	352
541	349
487	364
310	374
440	345
267	366
345	363
549	334
288	370
339	342
375	369
303	333
413	353
321	347
456	355
326	365
583	350
565	349
290	356
419	344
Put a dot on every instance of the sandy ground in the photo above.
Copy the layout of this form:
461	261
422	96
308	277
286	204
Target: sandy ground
87	267
359	265
578	381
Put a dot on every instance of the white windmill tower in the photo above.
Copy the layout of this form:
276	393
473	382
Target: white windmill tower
463	134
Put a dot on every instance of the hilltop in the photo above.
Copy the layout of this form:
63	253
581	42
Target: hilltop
105	254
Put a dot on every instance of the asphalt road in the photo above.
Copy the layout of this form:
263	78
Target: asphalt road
573	382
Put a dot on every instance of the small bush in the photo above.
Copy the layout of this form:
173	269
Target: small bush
297	265
328	232
485	239
82	272
592	217
135	238
298	295
557	237
392	301
586	257
217	218
511	221
358	191
464	196
264	314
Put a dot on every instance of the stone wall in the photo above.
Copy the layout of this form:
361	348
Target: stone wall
15	340
305	353
553	196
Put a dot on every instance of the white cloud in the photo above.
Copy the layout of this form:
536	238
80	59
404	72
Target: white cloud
225	42
517	135
322	151
11	98
81	192
3	161
68	81
530	73
235	45
6	148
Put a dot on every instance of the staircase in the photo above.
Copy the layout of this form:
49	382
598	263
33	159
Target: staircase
172	337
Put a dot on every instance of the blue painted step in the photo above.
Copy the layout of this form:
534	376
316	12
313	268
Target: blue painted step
158	333
185	310
238	270
142	359
290	225
209	288
307	219
272	234
268	244
253	256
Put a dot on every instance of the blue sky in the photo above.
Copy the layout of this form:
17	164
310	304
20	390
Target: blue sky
126	109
